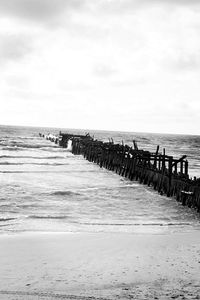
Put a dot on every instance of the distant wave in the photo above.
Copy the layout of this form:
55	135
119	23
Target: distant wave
12	142
111	188
195	165
47	217
6	219
8	148
32	157
135	224
130	185
30	205
51	171
40	164
26	137
64	193
55	149
63	217
20	147
30	172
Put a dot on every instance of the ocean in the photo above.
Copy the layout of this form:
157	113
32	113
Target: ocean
45	188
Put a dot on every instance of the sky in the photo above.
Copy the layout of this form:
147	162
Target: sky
127	65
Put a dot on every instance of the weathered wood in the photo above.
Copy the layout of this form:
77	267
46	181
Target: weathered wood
135	145
155	160
186	168
179	160
170	177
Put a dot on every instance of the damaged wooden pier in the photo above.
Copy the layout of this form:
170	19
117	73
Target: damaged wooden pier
167	175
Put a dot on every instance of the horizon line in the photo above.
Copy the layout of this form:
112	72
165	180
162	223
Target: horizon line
102	130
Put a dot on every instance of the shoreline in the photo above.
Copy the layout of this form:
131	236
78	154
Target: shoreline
100	265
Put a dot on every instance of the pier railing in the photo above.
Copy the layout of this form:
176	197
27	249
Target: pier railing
166	174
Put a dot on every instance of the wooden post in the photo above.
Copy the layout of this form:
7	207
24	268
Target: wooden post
181	167
163	160
170	176
186	168
159	162
175	167
135	145
155	161
183	198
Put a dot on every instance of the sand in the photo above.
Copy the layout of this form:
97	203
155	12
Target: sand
100	266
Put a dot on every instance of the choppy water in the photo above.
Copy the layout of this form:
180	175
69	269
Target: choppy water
46	188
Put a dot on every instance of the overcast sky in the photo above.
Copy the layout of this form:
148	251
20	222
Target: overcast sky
131	65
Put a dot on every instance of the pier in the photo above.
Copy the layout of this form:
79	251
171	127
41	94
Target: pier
167	175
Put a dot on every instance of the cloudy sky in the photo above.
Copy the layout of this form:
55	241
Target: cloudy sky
131	65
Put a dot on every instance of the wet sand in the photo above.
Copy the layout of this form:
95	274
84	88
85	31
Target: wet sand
100	266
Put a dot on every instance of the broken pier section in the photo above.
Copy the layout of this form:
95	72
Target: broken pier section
166	174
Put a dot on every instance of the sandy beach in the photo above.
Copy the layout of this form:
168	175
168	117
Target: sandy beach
100	266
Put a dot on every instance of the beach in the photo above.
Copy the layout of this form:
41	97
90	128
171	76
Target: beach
100	266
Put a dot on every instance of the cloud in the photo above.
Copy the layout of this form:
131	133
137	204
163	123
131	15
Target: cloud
37	10
102	70
180	2
14	47
130	6
51	10
187	62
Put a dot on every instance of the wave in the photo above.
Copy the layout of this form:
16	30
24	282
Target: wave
49	171
135	224
111	188
27	137
64	217
55	149
22	147
40	164
8	148
47	217
32	172
45	295
30	205
6	219
64	193
130	185
32	157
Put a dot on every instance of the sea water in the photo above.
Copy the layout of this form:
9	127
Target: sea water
45	188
